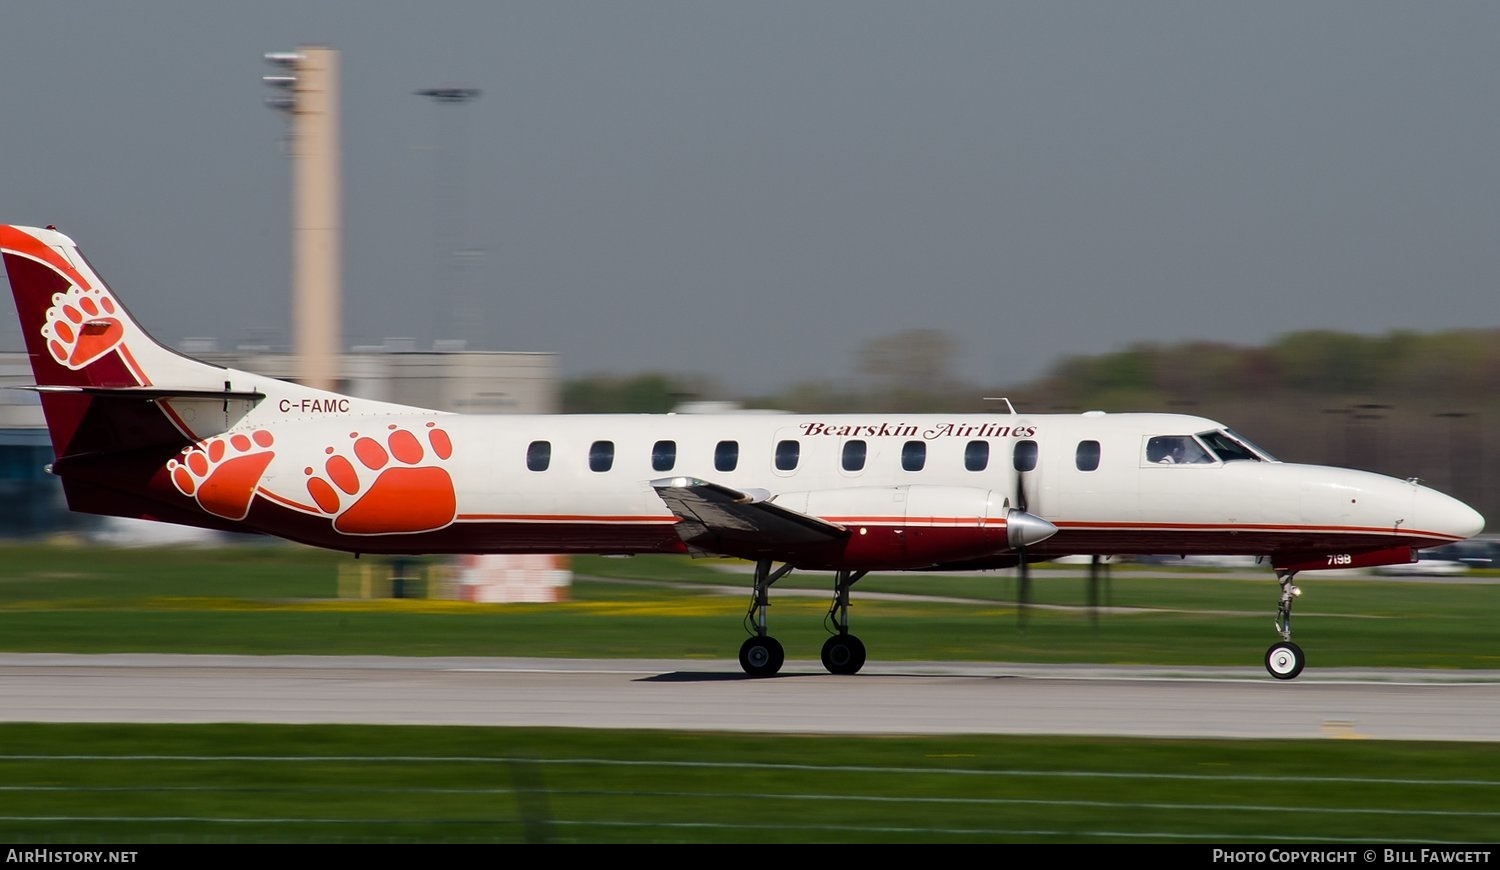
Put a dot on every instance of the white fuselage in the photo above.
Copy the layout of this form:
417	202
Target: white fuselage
1093	478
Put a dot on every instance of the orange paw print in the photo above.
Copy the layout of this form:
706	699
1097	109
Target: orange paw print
222	472
82	325
394	487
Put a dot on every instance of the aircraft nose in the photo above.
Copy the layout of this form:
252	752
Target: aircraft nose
1447	515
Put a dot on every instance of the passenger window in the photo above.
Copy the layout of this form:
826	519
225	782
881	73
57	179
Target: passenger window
1087	456
1024	458
977	455
539	455
601	455
854	455
913	455
664	455
727	455
787	454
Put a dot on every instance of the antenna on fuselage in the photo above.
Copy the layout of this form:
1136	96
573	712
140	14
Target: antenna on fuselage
1008	406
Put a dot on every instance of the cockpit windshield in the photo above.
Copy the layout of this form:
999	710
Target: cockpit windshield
1229	446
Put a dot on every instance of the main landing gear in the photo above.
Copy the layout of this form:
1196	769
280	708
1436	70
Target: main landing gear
762	655
1284	660
843	653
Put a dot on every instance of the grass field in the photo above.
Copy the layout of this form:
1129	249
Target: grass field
277	599
231	784
144	784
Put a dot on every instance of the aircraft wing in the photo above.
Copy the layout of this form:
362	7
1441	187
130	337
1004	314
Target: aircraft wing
718	519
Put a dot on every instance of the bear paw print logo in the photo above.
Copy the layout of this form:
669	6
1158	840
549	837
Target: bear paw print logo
222	472
82	325
395	486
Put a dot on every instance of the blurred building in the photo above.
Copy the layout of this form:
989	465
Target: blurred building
31	500
461	381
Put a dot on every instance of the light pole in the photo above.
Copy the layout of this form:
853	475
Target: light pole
1335	457
1453	417
456	257
1373	411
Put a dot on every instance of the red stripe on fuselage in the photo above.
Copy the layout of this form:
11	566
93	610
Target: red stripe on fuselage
1238	528
565	518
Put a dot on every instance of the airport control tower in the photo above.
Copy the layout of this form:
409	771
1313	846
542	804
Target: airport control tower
307	93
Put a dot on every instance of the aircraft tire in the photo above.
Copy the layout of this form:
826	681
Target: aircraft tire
762	656
843	654
1284	660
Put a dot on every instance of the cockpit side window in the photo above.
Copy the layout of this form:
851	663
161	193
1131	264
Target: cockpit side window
1176	450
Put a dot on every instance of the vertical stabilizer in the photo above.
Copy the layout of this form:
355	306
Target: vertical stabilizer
78	334
107	386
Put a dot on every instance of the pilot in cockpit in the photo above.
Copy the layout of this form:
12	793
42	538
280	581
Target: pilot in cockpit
1175	450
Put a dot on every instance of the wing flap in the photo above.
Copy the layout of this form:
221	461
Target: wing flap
720	519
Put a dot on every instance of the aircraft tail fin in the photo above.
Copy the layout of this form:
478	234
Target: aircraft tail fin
77	333
88	354
106	385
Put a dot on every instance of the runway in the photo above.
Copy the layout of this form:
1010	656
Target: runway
713	695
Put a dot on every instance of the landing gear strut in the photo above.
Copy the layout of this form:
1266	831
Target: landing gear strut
843	653
1284	660
761	655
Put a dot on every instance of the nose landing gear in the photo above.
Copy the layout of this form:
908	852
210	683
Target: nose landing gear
1285	660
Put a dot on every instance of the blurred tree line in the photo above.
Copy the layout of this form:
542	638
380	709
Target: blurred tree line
1404	404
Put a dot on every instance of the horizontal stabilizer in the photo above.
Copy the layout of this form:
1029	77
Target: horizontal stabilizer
153	392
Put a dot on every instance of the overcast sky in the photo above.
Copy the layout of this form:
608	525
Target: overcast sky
752	190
